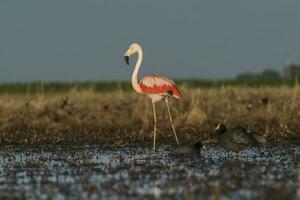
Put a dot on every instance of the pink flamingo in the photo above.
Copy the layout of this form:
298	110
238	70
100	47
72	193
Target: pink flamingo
156	86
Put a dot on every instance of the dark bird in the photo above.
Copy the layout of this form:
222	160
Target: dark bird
237	139
186	149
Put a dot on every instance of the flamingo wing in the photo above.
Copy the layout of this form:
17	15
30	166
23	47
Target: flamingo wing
159	84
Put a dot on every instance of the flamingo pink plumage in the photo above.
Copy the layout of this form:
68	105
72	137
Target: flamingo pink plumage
159	84
156	86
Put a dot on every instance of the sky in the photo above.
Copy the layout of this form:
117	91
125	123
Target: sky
76	40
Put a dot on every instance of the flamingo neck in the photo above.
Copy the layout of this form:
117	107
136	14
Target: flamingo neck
134	77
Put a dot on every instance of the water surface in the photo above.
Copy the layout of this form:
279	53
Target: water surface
136	171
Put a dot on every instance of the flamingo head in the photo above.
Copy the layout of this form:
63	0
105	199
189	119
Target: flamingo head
133	48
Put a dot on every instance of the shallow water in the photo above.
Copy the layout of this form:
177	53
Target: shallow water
90	172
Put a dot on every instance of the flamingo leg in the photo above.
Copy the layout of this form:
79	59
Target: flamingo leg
154	124
174	131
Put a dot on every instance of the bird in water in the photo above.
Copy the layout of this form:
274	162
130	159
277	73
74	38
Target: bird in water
186	149
237	139
156	86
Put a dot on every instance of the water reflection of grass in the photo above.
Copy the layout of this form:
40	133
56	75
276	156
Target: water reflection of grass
120	117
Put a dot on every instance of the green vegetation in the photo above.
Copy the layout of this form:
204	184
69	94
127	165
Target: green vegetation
61	87
267	76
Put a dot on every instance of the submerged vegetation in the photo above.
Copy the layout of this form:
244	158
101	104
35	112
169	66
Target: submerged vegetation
83	115
136	172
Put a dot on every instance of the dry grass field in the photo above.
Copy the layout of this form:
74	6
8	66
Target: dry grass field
120	117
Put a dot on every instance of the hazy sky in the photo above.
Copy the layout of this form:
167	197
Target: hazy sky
86	39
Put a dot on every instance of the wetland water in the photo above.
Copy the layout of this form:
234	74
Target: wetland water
89	172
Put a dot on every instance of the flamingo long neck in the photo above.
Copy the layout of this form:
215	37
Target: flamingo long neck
134	77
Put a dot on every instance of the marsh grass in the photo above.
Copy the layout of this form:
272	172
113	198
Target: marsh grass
121	117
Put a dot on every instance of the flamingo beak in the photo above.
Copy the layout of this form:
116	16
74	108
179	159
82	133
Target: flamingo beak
126	58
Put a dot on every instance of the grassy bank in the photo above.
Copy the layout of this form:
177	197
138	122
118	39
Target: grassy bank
120	117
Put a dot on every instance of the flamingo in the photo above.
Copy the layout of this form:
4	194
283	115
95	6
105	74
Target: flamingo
156	86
